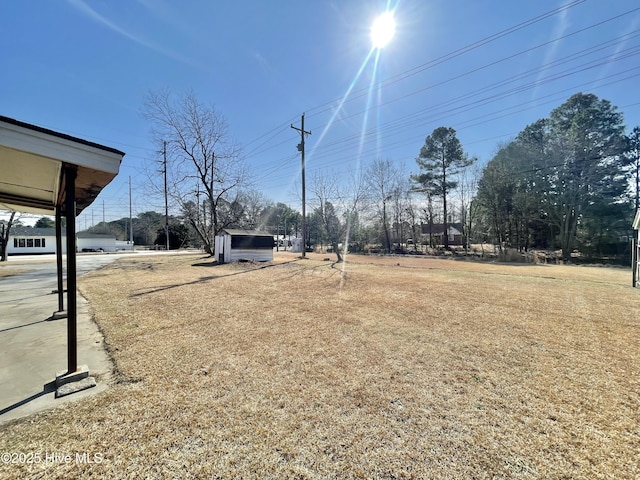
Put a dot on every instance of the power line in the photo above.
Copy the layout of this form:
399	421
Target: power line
400	124
412	71
389	129
456	53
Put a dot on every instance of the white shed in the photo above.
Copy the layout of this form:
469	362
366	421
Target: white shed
232	245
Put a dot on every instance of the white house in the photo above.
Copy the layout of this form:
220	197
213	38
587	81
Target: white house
232	245
28	241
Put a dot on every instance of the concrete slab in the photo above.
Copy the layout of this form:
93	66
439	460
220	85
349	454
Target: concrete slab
33	341
33	344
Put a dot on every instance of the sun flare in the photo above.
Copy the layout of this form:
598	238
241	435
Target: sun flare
383	30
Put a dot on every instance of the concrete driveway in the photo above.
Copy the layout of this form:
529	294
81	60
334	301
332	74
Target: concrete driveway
33	347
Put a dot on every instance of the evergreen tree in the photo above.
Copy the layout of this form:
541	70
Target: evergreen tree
561	182
633	166
588	144
44	222
441	159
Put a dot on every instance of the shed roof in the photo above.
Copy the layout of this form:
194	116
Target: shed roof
636	221
240	231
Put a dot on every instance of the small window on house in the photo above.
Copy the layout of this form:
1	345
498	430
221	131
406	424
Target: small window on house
36	243
30	242
43	243
15	243
21	242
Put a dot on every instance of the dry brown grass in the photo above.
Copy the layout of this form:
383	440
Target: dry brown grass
9	271
426	369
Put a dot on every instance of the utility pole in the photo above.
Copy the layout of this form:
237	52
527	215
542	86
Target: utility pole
637	180
212	223
130	216
302	132
166	202
198	205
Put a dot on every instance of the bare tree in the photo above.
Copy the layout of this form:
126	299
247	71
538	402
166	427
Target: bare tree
336	200
413	216
255	203
383	183
399	197
467	188
204	167
325	189
5	230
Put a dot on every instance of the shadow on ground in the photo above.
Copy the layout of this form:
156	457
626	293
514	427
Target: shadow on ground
214	264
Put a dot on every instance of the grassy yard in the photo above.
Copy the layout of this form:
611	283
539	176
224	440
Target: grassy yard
380	368
9	271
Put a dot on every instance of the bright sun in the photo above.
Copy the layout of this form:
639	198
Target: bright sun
382	30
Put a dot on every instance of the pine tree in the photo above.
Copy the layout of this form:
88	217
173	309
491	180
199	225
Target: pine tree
441	159
588	144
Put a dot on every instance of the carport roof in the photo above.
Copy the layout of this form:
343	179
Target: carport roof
31	167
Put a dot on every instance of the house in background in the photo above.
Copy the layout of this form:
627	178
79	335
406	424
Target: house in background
124	245
232	245
33	241
436	232
93	242
29	241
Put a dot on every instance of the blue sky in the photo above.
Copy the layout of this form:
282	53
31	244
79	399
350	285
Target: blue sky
487	68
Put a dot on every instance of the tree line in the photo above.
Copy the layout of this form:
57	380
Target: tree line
566	182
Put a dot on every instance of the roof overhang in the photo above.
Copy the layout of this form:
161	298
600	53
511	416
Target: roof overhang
636	221
31	168
240	231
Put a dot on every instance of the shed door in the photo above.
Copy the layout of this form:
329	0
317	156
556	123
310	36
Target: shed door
219	248
227	248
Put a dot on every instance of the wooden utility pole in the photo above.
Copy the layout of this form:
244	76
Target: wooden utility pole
304	211
198	205
213	213
130	216
166	201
